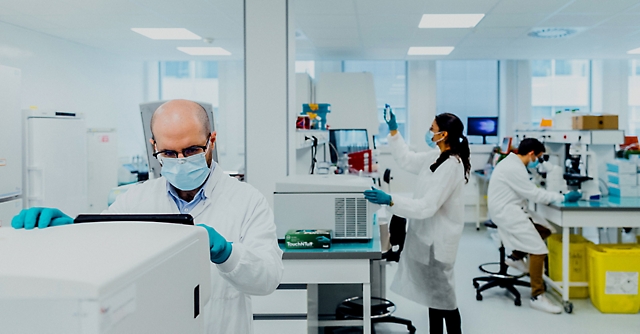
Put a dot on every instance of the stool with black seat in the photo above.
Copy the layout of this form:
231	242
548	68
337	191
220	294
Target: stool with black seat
500	278
381	309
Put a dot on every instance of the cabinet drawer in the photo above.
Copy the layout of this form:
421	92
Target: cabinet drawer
279	326
281	301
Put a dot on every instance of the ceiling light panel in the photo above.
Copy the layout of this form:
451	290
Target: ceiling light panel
205	51
450	20
166	33
430	50
634	51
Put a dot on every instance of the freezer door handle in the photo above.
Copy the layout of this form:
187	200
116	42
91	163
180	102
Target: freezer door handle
35	200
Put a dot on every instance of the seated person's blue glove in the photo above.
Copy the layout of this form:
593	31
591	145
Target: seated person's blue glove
219	247
393	125
40	217
572	196
377	196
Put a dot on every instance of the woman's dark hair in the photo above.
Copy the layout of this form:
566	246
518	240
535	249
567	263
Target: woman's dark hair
458	143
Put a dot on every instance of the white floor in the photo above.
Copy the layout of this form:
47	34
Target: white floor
497	313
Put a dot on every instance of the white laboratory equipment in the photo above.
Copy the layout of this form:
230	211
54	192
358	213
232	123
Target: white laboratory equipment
11	193
102	167
55	160
127	277
334	202
582	154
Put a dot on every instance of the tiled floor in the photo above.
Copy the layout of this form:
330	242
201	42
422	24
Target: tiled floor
497	313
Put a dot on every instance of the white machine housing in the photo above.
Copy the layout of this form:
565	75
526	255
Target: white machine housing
596	148
334	202
126	277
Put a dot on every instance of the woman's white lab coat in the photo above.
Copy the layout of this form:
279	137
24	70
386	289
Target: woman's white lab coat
509	190
436	219
242	215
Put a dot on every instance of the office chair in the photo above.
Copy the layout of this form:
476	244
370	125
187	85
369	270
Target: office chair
501	278
381	309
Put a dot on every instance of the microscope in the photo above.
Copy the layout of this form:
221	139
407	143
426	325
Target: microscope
581	171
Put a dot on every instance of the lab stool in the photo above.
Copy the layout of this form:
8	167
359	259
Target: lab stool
500	278
381	311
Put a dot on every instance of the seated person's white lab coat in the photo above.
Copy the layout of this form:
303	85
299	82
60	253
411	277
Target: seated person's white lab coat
509	190
241	215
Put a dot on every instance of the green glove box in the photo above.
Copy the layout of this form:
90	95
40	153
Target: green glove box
308	239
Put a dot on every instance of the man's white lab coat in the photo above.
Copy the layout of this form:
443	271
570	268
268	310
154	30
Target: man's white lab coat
509	190
240	214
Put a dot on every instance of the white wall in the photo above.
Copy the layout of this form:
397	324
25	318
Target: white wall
61	75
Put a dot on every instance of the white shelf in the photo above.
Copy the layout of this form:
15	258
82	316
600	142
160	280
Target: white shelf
587	137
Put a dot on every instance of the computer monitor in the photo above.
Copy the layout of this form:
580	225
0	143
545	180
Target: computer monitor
347	141
482	126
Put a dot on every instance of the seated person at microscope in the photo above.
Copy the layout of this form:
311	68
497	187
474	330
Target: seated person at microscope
520	230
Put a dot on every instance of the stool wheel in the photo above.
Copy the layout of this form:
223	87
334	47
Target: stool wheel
518	302
478	296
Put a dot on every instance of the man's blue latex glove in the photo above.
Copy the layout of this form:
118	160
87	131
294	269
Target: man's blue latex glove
219	247
572	196
393	125
377	196
40	217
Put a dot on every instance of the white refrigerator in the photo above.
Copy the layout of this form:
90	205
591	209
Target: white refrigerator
55	160
10	145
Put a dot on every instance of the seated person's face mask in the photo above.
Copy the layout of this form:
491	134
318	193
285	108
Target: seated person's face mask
186	173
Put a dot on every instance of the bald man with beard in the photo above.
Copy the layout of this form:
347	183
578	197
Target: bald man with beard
245	257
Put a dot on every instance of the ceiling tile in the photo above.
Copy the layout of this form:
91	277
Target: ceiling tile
484	41
510	20
458	6
439	37
323	21
391	8
329	32
29	22
529	6
623	20
39	7
499	32
324	7
336	43
598	6
574	20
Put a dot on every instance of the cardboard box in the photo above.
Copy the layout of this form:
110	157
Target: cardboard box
593	122
622	166
308	239
623	179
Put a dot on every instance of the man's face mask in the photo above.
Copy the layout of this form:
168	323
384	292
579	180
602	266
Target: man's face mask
186	173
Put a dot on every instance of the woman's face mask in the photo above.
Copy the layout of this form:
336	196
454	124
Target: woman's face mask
428	138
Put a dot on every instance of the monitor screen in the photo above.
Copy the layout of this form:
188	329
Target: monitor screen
348	141
482	126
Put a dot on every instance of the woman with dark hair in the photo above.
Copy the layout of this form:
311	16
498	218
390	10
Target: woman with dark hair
436	218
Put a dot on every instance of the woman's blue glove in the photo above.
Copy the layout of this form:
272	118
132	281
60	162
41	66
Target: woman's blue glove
393	125
377	196
220	248
572	196
40	217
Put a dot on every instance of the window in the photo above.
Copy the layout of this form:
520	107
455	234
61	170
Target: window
559	85
468	88
390	80
634	97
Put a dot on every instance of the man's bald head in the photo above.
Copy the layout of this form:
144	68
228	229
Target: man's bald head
180	111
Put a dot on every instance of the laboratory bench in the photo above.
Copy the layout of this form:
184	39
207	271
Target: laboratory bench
293	307
616	212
